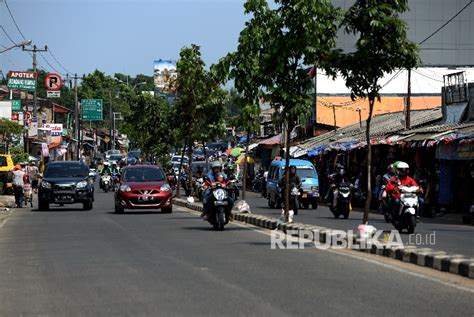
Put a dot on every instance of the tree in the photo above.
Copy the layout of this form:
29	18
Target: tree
381	47
199	106
10	132
274	48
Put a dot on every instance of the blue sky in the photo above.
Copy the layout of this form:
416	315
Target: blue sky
119	35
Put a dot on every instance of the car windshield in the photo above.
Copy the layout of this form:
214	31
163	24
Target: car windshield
115	157
143	175
66	170
306	172
134	154
113	152
3	161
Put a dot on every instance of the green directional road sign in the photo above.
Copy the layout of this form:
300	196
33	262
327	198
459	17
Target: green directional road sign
16	105
91	109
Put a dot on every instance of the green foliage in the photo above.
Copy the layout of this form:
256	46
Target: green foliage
149	122
200	101
18	154
10	132
381	47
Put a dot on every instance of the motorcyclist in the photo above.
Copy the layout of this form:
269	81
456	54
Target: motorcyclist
401	179
214	173
294	181
382	194
337	178
106	169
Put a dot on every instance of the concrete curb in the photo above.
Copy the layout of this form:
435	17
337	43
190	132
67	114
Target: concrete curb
438	260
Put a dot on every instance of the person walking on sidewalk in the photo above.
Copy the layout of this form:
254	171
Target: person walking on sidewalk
19	179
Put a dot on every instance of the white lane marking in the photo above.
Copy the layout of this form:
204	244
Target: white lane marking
359	257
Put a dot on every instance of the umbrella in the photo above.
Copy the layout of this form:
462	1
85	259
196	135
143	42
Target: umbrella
236	151
227	152
241	159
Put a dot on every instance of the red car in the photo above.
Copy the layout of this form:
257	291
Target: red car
143	187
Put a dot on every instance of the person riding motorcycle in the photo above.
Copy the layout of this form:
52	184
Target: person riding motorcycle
401	179
337	178
294	181
212	176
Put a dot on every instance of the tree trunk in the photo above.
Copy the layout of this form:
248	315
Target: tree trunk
287	170
244	180
178	185
190	172
369	161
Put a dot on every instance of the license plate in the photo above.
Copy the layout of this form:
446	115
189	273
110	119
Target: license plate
305	196
220	203
144	198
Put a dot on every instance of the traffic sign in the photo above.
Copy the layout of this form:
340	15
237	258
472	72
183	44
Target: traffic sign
53	93
91	109
53	82
21	80
16	105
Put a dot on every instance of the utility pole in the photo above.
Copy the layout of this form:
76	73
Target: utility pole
315	95
360	117
408	108
34	50
334	115
112	128
77	117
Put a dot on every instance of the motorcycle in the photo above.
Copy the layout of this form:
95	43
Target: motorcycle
295	192
343	204
27	195
257	184
233	189
408	206
219	209
385	205
106	182
199	188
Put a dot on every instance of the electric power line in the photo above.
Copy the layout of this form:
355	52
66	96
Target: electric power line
14	21
57	61
445	23
8	36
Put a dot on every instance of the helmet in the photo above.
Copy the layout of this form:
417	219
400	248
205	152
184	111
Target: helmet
106	163
391	168
292	168
402	168
215	164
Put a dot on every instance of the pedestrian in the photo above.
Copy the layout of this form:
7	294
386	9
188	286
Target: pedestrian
33	172
19	179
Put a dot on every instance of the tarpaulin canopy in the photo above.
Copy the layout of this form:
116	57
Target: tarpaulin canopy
274	140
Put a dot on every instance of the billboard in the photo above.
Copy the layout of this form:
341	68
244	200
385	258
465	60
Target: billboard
451	46
164	76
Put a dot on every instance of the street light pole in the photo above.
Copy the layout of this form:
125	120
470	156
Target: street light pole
24	43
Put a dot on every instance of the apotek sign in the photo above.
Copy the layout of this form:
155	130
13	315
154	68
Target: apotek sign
21	80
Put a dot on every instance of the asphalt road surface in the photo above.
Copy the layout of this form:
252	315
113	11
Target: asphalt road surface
452	238
69	262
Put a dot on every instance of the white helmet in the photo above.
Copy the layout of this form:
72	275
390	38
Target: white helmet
402	165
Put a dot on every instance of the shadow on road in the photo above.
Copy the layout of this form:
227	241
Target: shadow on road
207	227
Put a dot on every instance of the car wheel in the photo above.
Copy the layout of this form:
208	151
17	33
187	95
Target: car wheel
167	210
43	205
315	205
87	205
119	209
305	204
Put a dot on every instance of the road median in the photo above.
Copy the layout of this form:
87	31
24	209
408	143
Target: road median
439	260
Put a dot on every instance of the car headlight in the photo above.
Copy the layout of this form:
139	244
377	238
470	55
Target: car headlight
125	188
81	185
220	194
165	188
46	185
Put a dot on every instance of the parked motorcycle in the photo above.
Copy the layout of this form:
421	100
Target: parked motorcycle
219	210
408	206
343	204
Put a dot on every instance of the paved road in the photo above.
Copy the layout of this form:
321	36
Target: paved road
448	237
70	262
